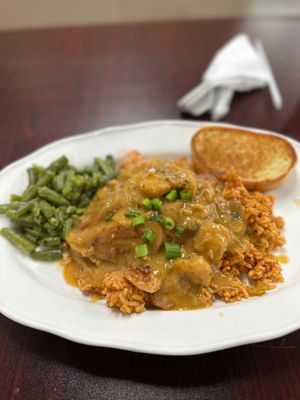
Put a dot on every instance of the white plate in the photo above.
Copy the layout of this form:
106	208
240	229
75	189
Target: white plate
36	295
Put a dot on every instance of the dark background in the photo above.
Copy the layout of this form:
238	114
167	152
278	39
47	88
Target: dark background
60	82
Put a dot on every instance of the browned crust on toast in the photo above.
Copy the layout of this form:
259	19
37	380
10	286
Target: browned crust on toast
252	155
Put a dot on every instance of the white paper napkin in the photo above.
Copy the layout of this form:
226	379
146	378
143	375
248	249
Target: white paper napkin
238	66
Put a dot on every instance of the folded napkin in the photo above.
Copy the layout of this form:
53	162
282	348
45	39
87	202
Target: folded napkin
239	66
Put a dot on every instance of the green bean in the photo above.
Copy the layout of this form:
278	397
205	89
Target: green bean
84	201
80	211
52	196
24	222
31	237
107	166
20	241
98	179
38	169
24	209
75	196
75	218
51	230
50	242
104	167
90	193
70	210
95	167
46	208
11	206
52	203
15	197
67	227
59	181
61	214
58	164
88	184
87	170
47	255
68	188
32	191
36	213
79	181
37	233
111	162
31	176
4	208
45	178
11	214
71	172
54	222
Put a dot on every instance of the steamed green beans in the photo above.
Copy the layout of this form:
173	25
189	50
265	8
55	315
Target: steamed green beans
20	241
52	196
47	255
56	196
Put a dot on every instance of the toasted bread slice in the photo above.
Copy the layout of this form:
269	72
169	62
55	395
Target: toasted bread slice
262	161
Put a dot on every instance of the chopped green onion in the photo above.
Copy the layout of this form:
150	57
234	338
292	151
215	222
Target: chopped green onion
147	204
139	220
172	250
156	204
148	237
186	195
141	250
179	231
132	213
168	223
110	215
172	196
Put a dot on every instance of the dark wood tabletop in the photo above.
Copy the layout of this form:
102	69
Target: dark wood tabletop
59	82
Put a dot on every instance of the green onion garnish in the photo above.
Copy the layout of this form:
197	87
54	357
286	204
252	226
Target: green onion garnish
139	220
141	250
147	204
148	237
172	196
110	215
156	204
172	250
132	213
186	195
168	223
179	231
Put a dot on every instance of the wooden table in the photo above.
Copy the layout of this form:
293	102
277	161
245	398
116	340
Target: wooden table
56	83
